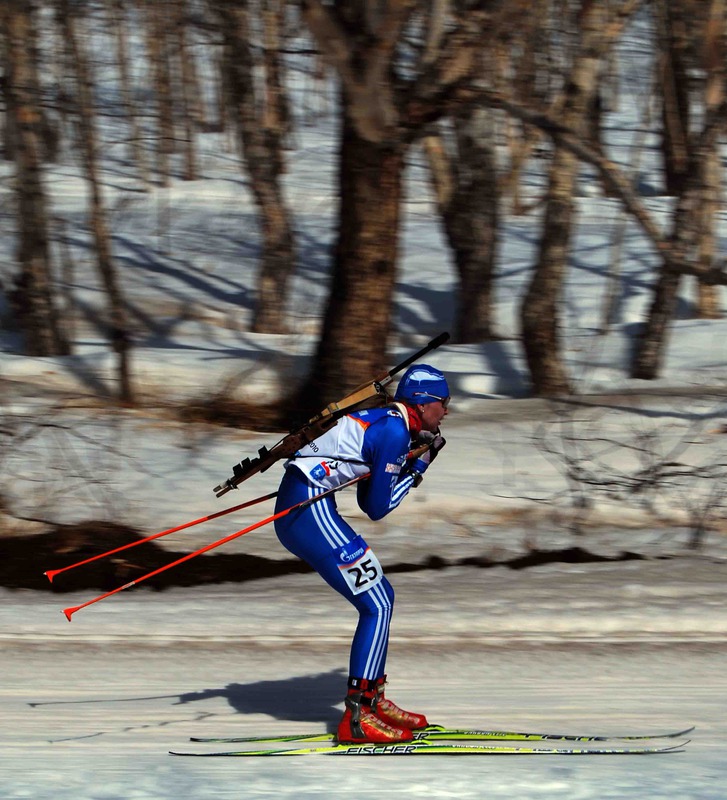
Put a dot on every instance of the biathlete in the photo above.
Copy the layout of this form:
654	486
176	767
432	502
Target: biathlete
375	441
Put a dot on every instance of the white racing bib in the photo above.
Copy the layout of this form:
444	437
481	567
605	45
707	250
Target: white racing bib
359	566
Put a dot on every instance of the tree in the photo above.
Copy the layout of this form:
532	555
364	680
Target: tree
674	23
466	189
599	24
159	45
697	196
187	86
118	331
676	250
138	157
400	70
261	120
32	297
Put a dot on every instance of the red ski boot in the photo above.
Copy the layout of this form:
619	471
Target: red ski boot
393	715
360	725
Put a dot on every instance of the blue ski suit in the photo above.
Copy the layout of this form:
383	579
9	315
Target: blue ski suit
376	441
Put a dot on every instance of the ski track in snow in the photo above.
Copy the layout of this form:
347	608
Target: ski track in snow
91	708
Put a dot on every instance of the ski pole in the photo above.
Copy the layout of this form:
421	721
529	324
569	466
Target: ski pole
51	573
69	612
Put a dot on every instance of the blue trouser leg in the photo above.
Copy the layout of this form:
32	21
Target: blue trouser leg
316	534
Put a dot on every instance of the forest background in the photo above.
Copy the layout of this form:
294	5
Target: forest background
481	89
494	112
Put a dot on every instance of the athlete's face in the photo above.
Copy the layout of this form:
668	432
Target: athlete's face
433	414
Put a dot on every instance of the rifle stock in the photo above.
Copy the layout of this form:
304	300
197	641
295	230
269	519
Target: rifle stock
320	423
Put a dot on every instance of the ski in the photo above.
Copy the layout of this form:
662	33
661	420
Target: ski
441	733
429	748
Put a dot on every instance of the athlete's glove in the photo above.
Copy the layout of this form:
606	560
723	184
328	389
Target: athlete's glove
436	442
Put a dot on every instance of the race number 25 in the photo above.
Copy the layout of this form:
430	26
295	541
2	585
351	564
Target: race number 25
362	574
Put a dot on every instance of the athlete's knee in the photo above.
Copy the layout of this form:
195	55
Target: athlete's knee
377	601
389	592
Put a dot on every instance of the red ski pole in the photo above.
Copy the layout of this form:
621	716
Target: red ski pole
69	612
51	573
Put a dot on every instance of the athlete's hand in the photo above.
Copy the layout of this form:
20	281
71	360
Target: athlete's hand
435	445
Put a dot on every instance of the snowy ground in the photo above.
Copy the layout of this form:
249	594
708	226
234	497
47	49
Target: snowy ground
90	709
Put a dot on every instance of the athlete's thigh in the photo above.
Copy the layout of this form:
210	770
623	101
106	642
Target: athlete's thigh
319	535
314	532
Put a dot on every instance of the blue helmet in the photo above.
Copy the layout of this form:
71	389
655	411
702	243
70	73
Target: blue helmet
422	384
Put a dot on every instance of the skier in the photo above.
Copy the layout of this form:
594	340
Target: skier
376	441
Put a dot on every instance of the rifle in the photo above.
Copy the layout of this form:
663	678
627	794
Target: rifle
320	423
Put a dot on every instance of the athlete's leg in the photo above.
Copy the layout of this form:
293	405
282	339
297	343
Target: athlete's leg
319	535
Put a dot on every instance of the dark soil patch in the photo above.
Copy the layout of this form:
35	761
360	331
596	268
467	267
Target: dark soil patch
23	561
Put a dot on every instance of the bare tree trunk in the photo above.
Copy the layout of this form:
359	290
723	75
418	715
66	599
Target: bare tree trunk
649	353
262	130
466	188
277	114
467	198
600	23
674	82
357	319
708	296
6	143
32	298
695	197
540	311
188	89
713	55
524	69
118	331
157	15
138	156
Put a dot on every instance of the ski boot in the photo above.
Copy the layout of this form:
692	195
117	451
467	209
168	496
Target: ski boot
393	715
360	723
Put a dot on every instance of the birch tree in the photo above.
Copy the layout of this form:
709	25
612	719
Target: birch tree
682	254
599	24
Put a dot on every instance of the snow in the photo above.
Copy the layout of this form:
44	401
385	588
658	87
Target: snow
106	696
90	709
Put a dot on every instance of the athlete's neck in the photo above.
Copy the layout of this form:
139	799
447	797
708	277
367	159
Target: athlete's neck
414	418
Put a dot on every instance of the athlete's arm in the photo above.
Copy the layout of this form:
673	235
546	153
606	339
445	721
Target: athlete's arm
385	447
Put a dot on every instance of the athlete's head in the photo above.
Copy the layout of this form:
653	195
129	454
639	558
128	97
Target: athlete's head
422	384
426	389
